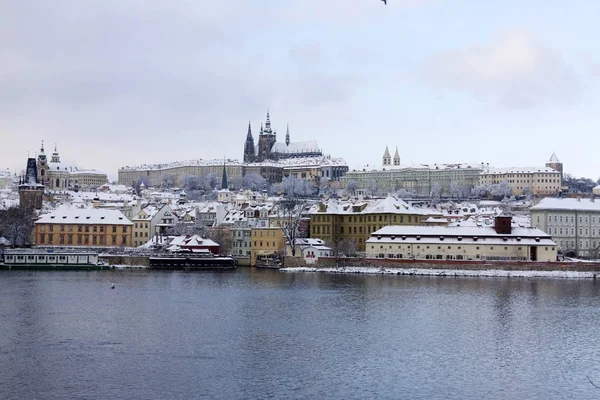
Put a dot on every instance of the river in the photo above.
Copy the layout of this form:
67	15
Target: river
263	334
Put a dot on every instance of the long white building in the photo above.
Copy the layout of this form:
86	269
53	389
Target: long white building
501	242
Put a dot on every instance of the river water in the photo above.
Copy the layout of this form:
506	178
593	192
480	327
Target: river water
253	334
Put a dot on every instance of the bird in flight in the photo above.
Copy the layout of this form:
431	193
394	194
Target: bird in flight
384	2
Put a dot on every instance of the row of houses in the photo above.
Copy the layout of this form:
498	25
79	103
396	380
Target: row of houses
251	230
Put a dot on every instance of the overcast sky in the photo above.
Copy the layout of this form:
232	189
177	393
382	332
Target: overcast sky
126	82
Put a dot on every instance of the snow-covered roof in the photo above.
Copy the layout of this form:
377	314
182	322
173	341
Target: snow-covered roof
554	159
519	170
85	216
296	147
456	231
427	167
567	204
288	162
192	241
185	163
387	205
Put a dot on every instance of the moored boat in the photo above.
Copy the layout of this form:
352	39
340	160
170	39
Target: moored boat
33	258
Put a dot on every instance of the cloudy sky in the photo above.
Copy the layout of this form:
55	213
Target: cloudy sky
126	82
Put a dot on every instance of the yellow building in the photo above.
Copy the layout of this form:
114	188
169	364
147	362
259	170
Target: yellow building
265	243
83	227
355	220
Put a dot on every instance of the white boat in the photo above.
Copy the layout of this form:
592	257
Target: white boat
49	259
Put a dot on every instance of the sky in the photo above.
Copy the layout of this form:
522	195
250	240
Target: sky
116	83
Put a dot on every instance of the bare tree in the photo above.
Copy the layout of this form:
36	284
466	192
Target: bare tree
222	236
289	215
137	184
343	248
16	225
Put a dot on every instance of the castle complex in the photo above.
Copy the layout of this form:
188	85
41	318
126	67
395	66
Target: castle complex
269	149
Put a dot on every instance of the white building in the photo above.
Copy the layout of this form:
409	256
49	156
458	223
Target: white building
574	224
309	249
501	242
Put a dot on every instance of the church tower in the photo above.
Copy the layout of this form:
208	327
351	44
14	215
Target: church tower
266	140
31	192
387	159
249	154
42	166
396	157
556	165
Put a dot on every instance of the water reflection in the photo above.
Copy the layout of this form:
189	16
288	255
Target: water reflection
260	333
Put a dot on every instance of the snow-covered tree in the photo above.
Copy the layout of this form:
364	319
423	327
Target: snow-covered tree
454	189
191	182
436	192
372	187
292	187
351	187
209	181
324	186
501	190
480	191
254	182
169	181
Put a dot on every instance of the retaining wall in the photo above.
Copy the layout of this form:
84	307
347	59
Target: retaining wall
333	262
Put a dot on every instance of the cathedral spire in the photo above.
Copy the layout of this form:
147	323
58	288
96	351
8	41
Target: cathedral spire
249	135
268	122
287	135
224	183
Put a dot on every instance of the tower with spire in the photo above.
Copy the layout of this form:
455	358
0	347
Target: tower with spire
249	154
224	183
42	166
287	135
396	157
556	165
224	195
266	140
387	159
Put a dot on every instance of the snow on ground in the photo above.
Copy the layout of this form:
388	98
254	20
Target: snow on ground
126	266
448	272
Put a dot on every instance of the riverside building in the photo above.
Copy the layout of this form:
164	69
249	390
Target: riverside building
501	242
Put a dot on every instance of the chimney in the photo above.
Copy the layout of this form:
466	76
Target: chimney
503	224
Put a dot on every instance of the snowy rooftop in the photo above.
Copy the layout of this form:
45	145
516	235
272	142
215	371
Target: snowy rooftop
554	159
86	216
388	205
176	164
554	203
456	231
289	162
429	167
518	170
296	147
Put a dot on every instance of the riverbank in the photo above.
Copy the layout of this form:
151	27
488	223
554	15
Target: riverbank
496	273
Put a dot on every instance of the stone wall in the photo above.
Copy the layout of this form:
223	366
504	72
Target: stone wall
126	260
333	262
